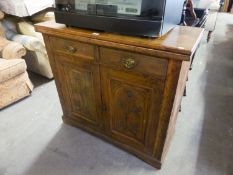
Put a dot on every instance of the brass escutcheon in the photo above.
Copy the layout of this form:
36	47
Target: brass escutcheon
128	63
71	49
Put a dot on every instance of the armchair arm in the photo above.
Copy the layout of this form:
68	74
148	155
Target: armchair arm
10	49
29	42
13	50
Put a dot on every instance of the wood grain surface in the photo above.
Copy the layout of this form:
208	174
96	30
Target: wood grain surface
180	40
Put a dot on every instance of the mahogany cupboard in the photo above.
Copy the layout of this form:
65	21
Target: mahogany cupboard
123	89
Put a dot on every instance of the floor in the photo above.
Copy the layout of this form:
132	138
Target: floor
35	142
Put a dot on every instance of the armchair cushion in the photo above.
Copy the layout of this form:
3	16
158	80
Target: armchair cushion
11	68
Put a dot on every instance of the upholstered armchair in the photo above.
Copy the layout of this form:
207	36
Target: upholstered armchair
24	33
14	81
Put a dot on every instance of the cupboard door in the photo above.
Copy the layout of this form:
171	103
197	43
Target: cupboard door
81	91
132	107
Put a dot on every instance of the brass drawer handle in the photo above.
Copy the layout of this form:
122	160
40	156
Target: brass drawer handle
128	63
71	49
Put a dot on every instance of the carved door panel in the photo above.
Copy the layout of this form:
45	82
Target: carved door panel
132	107
81	91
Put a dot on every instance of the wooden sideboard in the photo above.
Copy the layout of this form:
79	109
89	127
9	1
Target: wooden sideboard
124	89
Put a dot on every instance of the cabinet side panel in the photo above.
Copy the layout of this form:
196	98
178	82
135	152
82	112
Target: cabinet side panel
171	83
176	106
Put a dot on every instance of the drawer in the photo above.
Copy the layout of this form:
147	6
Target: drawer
73	48
145	65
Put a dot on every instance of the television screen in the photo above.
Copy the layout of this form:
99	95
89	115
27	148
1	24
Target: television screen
130	7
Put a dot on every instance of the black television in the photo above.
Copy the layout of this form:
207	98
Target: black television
148	18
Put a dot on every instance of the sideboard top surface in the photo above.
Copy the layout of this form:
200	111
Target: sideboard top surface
180	40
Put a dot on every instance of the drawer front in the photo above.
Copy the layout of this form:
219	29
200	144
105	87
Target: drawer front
73	48
145	65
